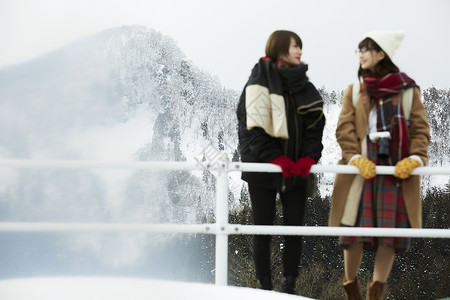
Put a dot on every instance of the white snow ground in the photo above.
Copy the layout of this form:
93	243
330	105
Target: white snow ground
113	288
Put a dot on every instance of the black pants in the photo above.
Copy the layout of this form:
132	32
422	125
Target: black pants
263	207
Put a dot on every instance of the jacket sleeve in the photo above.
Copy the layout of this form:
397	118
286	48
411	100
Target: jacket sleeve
419	130
255	143
346	129
263	146
313	135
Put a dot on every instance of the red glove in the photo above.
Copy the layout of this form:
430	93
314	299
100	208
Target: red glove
287	165
303	166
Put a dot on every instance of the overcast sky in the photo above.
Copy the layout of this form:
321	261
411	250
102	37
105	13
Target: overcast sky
226	37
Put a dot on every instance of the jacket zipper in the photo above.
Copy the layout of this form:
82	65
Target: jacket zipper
296	134
283	180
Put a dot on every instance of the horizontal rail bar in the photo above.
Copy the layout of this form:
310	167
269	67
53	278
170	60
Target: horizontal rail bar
341	231
341	169
102	227
230	229
87	164
224	167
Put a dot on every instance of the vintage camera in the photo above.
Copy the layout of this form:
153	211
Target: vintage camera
383	148
383	138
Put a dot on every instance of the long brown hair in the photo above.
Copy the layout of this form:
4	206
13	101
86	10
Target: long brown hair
279	42
383	67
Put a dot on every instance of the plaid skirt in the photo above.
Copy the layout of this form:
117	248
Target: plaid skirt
381	205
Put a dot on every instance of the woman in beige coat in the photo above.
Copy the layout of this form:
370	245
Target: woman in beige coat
382	122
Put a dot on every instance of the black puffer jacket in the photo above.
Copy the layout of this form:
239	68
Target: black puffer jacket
305	120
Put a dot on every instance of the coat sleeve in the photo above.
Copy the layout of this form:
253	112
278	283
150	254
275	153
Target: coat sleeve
255	143
419	130
263	146
313	135
346	130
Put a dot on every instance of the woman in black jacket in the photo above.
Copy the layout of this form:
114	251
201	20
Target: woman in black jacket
281	121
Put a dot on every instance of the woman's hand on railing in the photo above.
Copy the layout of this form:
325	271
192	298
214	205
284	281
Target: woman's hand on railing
287	165
303	166
404	168
366	167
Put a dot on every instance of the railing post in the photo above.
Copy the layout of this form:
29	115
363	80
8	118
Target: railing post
222	223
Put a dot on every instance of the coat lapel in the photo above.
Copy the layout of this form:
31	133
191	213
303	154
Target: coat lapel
361	119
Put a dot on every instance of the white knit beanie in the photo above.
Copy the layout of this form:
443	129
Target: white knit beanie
387	40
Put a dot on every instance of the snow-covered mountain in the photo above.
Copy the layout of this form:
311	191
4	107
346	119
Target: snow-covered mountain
127	93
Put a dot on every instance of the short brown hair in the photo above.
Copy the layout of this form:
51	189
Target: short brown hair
279	42
383	67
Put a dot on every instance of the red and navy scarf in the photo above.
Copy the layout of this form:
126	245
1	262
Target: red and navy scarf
390	117
386	91
390	84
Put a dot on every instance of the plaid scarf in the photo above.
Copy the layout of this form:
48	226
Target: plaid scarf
392	83
386	91
390	117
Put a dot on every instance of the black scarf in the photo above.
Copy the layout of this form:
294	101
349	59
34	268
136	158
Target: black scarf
294	78
279	79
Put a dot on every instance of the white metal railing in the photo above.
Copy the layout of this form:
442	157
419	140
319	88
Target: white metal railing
221	228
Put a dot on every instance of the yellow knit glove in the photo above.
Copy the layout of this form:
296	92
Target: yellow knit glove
365	166
404	168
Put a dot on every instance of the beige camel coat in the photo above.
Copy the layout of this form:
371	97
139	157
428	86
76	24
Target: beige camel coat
351	128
